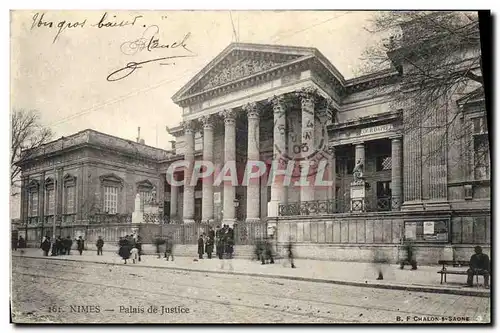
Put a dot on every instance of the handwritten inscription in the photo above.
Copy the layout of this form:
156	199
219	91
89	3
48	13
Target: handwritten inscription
133	66
150	40
39	21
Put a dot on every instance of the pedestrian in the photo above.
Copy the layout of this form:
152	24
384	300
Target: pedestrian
410	256
201	248
379	259
169	248
99	244
218	242
138	245
46	246
134	254
80	244
68	244
268	252
22	242
479	264
209	247
289	250
124	248
158	241
14	243
58	245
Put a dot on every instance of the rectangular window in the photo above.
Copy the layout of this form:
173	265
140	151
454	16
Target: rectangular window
145	195
70	200
110	199
50	202
33	203
481	158
479	125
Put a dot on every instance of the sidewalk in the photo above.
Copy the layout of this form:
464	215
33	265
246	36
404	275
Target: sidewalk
425	279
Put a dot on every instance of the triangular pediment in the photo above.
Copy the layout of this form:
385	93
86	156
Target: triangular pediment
238	61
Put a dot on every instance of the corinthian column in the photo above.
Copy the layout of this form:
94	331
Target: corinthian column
307	101
188	206
396	177
229	216
253	187
207	203
278	190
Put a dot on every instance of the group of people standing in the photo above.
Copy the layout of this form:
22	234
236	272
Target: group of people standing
130	247
61	246
222	239
18	243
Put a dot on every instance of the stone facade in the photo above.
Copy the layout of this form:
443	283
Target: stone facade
276	104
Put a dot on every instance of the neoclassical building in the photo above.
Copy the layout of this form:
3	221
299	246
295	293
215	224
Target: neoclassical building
285	104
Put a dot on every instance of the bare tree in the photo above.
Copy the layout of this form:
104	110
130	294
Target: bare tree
438	56
26	134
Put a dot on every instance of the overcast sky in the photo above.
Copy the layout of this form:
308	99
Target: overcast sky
63	74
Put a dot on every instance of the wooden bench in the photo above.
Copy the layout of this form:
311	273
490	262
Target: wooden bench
455	263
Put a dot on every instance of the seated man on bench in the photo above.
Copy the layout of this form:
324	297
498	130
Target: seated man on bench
479	265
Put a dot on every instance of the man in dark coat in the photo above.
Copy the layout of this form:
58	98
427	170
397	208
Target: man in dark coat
99	244
14	243
410	256
138	246
59	246
68	243
218	240
22	242
209	247
80	244
201	248
158	241
479	265
169	248
46	246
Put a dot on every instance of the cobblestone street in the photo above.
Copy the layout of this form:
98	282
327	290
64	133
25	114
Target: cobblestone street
46	291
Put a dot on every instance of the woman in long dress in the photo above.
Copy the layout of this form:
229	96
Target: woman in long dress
124	248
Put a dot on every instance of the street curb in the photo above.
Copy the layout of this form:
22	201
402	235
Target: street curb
416	288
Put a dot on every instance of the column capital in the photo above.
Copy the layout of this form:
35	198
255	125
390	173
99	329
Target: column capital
358	144
252	110
396	138
278	103
308	96
207	121
188	126
229	116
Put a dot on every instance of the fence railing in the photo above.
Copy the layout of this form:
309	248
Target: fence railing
325	207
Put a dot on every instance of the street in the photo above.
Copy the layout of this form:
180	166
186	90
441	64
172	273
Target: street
48	291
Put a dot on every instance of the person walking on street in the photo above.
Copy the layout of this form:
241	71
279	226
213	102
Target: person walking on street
46	246
218	242
99	244
169	248
14	243
138	246
80	244
201	248
289	250
124	248
68	243
410	256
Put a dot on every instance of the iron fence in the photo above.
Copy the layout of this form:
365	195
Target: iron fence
325	207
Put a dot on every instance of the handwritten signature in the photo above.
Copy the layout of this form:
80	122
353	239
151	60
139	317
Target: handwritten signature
133	66
150	40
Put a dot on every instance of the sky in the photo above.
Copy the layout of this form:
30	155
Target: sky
62	72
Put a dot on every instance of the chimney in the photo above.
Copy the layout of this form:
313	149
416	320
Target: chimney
172	142
138	135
